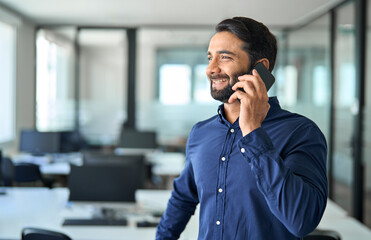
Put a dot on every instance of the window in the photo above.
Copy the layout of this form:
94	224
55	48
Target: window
7	80
54	82
175	84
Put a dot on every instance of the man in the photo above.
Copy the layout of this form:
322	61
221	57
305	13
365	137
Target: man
258	172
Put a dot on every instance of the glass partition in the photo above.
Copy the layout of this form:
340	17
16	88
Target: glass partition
302	74
173	92
344	93
103	84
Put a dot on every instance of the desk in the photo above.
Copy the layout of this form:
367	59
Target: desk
167	166
55	164
47	208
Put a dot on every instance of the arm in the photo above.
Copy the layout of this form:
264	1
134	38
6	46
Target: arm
295	188
181	205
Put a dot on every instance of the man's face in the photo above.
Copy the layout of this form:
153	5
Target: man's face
227	61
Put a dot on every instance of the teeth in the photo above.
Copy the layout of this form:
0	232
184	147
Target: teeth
218	81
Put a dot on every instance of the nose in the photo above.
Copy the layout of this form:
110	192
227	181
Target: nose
213	67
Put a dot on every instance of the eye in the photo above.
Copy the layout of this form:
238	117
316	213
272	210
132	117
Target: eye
209	58
226	57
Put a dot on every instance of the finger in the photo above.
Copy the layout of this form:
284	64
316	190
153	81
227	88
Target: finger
255	79
236	95
247	86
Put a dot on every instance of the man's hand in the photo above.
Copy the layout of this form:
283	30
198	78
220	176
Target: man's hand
254	101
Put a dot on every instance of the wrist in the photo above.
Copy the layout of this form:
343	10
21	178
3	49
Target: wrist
248	130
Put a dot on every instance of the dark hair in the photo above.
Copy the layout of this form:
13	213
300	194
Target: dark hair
259	41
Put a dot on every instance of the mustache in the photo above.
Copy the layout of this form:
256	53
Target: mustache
218	76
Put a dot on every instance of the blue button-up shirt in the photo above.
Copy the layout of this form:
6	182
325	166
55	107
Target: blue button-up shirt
270	184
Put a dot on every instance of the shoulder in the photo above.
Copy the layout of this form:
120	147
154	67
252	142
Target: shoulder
294	124
203	127
210	122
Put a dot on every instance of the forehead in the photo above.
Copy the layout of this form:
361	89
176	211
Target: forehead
225	41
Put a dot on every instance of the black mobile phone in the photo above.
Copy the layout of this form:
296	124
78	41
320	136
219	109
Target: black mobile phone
265	75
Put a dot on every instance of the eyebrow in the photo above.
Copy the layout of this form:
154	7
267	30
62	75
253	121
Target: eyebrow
223	52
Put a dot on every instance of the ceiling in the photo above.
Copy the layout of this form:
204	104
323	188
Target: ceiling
137	13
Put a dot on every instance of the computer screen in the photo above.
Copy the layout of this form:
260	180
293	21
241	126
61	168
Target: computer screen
36	142
70	141
113	180
137	139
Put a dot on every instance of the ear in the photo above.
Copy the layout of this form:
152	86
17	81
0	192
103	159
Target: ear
265	61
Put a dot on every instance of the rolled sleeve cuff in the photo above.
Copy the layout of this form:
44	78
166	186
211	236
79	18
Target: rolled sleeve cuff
255	143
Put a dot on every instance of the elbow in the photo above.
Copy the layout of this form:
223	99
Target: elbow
304	231
309	223
305	227
309	219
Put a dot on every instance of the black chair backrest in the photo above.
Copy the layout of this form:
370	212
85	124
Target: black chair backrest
7	169
26	172
107	179
323	235
42	234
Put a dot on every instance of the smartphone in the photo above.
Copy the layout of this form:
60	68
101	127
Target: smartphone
265	75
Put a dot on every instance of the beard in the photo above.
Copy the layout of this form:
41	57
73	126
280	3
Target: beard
224	94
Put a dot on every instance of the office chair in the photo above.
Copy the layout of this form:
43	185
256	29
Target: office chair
42	234
323	235
7	170
28	173
111	179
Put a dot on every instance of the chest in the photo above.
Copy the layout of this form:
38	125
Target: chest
218	163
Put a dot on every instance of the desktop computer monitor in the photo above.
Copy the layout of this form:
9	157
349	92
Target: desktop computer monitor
35	142
112	181
70	141
136	139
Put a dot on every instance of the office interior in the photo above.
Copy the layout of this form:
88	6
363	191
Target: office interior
103	75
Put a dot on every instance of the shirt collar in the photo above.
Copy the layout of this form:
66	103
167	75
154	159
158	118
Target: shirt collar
273	102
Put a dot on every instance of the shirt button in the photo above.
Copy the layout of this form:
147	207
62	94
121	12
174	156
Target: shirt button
220	190
232	130
242	150
223	159
218	223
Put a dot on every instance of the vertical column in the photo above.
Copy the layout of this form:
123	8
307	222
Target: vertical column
358	167
332	105
130	122
77	80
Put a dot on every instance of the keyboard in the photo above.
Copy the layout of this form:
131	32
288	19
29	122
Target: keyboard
95	222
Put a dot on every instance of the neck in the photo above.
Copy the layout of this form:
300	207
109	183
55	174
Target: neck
232	111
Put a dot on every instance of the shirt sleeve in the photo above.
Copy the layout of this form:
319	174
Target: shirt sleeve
294	184
181	205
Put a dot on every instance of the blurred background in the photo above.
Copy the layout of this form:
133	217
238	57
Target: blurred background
105	67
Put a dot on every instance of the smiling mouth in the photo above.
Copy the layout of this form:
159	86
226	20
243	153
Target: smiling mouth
215	81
